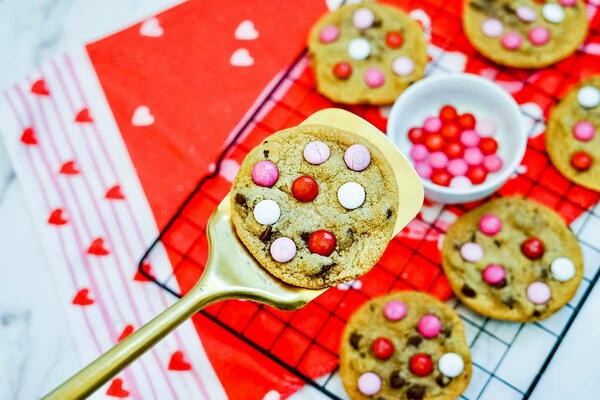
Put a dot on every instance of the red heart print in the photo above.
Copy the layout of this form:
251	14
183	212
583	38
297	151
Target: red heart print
97	248
82	298
126	332
28	136
69	168
177	362
83	116
39	87
114	193
116	389
141	277
57	218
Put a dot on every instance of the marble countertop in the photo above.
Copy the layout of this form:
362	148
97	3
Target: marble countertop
35	342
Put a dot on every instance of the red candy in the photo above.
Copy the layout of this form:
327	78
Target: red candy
416	135
533	248
394	40
451	131
305	188
421	364
466	121
383	348
322	242
488	145
476	174
434	142
342	70
454	150
448	113
581	161
441	177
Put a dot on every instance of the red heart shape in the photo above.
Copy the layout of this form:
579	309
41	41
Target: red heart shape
56	217
97	248
69	168
141	277
83	116
28	136
126	332
114	193
82	298
39	87
116	389
177	362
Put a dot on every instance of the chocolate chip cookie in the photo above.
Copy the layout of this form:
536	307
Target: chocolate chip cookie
572	141
525	33
512	259
366	53
315	205
405	345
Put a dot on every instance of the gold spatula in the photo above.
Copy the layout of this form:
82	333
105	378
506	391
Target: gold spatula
232	273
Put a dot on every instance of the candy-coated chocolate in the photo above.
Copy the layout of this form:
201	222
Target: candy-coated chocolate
469	138
441	177
438	160
419	152
581	161
539	35
322	242
423	169
416	135
351	195
490	224
467	121
357	157
363	18
562	269
265	173
374	77
403	66
488	145
283	249
382	348
429	326
512	40
538	293
451	130
476	174
460	182
329	34
369	383
448	113
395	310
305	189
457	167
421	364
473	156
553	13
266	212
316	152
567	3
493	274
394	40
588	97
434	142
432	124
359	49
471	252
486	127
526	14
492	163
492	27
533	248
342	70
584	131
454	150
451	365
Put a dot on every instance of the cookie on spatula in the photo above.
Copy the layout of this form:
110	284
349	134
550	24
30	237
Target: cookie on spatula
405	345
512	259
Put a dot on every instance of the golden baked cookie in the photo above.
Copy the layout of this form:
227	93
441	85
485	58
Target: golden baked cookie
525	33
405	345
572	138
366	53
315	205
512	259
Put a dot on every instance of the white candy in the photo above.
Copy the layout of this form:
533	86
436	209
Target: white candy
562	269
451	365
351	195
553	13
588	97
359	49
266	212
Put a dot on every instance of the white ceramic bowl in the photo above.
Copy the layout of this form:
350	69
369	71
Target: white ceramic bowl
468	93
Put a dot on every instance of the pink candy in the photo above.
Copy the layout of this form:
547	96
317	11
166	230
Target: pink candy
316	152
424	170
469	138
460	182
283	249
473	156
471	252
363	18
403	66
329	34
432	124
538	293
265	173
584	131
429	326
526	14
493	274
567	3
394	310
369	383
512	41
374	77
539	35
490	224
492	163
357	157
438	160
419	152
492	27
457	167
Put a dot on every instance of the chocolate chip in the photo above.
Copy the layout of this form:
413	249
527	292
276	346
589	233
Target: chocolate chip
266	235
415	340
397	380
324	269
442	380
497	243
350	233
500	284
447	331
355	340
537	313
388	213
376	23
415	392
544	274
266	153
509	302
241	200
305	236
468	291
